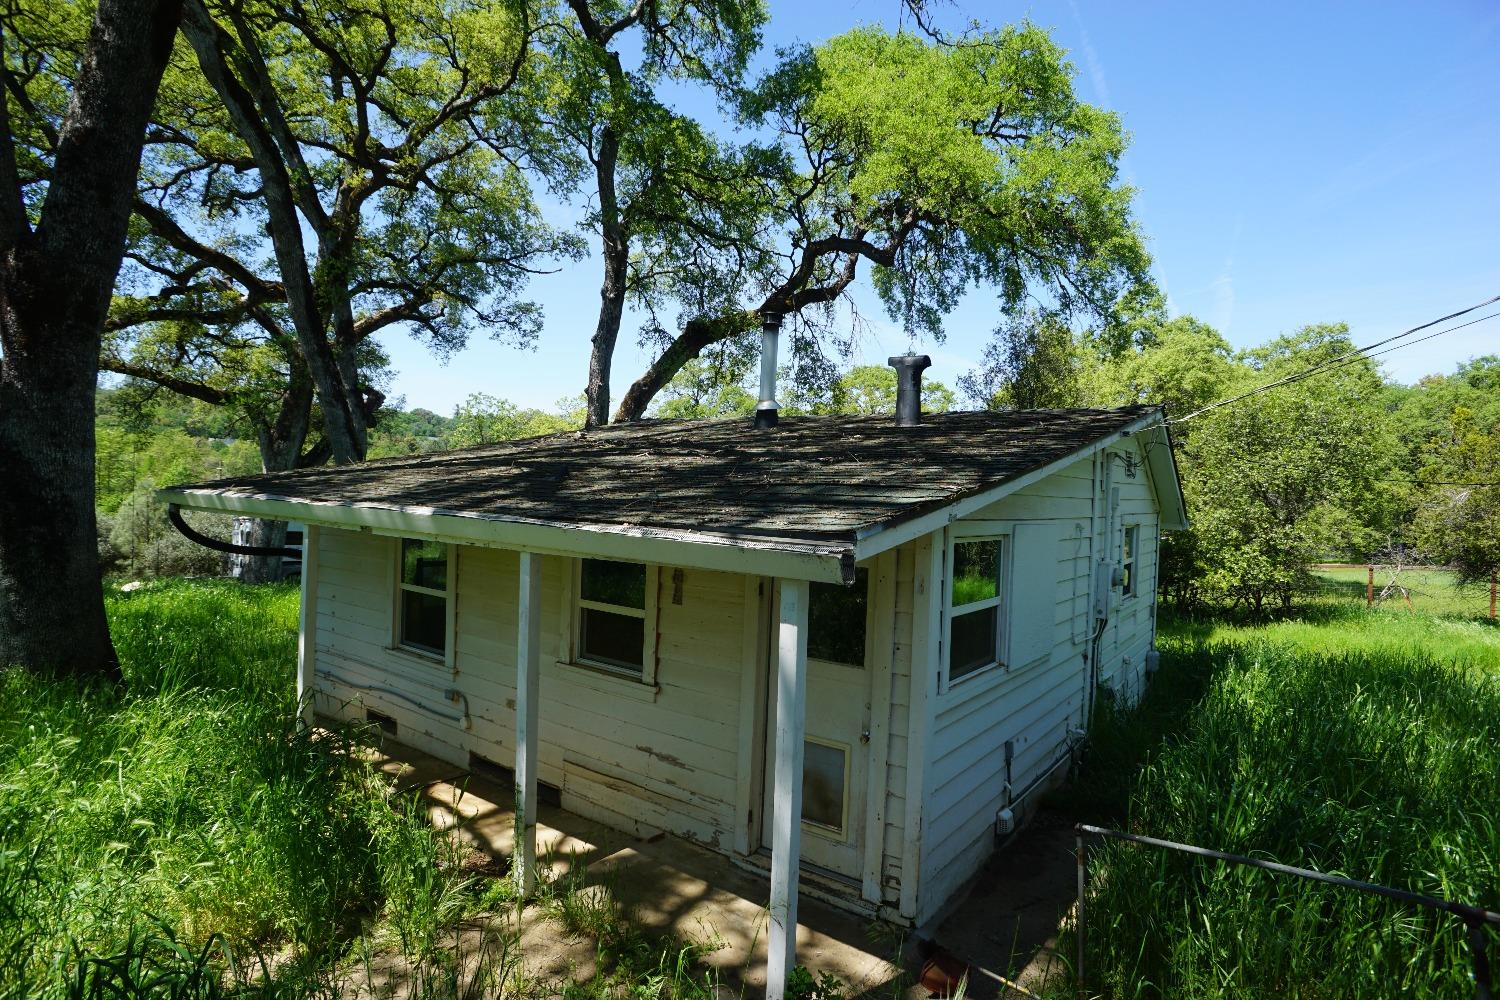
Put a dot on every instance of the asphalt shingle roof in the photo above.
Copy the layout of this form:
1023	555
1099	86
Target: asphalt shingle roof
811	480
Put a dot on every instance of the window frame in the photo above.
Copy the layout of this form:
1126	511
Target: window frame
649	624
399	587
843	832
1130	542
1000	602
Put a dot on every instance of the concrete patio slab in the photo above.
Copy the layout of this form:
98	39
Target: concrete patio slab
1003	933
665	884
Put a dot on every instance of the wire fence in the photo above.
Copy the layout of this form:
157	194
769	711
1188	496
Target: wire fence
1475	919
1428	590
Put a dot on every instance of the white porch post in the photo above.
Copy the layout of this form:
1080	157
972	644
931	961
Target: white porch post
528	674
786	812
307	634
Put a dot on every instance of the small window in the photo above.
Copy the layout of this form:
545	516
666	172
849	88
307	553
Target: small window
974	621
612	615
836	620
1127	560
422	618
825	791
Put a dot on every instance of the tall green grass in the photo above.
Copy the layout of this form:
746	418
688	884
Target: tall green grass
181	814
1365	751
175	835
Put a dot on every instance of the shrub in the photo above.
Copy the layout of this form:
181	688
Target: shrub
142	542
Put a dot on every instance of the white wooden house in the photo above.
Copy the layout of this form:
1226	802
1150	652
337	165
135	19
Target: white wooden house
892	632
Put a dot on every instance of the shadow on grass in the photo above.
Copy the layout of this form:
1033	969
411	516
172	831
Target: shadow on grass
1122	741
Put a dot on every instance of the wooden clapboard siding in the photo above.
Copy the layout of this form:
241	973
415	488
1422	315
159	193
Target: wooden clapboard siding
900	697
1132	624
617	754
1034	704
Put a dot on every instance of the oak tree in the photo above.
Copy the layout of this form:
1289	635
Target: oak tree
940	167
70	146
320	173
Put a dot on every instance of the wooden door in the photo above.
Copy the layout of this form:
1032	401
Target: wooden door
835	750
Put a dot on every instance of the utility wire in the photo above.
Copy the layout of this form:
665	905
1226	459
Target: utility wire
1435	482
1353	356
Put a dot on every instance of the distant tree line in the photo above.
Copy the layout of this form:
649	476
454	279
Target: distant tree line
1342	465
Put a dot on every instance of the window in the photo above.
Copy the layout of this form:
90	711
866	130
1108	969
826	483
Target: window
836	620
825	793
1127	560
422	595
612	615
974	621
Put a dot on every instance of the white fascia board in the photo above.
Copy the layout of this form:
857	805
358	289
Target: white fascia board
880	538
823	564
1161	463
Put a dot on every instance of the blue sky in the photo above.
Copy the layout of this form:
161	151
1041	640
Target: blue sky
1295	163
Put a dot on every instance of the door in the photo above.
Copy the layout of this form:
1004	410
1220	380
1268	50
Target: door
836	747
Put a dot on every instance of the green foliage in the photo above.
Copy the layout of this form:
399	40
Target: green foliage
1000	173
148	831
1287	744
115	799
870	390
801	985
1422	413
165	444
1033	361
484	419
1182	364
1460	524
706	390
137	540
1272	484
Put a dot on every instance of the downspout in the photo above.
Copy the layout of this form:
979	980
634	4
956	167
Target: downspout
174	514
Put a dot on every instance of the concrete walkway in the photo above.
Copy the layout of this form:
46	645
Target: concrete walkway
665	883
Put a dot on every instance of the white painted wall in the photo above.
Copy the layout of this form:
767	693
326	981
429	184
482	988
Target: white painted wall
1036	701
669	762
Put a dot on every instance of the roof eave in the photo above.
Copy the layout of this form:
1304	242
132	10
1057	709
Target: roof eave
881	536
830	562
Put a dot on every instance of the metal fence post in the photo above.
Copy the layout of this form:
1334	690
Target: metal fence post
1082	857
1481	959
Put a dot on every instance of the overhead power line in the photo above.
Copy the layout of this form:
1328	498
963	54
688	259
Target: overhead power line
1437	482
1354	356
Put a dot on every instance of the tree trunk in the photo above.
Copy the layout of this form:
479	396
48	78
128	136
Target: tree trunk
55	286
695	336
262	533
211	44
281	446
616	250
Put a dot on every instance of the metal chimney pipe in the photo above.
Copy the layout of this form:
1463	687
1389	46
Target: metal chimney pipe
766	411
909	369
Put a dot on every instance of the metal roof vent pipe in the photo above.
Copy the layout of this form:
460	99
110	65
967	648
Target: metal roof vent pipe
766	411
909	368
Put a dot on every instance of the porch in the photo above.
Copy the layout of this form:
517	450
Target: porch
668	886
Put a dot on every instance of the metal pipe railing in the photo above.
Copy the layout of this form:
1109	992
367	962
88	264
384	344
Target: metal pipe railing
1474	917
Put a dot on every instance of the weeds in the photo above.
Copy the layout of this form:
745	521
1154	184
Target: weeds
176	836
1372	756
